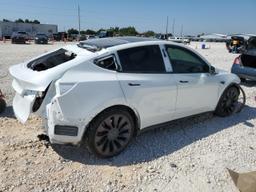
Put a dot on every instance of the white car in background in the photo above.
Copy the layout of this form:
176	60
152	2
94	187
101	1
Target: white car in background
104	91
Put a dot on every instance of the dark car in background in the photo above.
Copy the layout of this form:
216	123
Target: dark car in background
104	34
19	37
60	36
41	38
236	44
245	65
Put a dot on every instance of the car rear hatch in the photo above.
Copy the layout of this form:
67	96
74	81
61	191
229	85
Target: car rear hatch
248	58
32	79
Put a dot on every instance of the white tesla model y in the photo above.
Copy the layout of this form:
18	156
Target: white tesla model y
104	91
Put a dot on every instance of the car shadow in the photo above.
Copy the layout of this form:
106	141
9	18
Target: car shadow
8	112
156	143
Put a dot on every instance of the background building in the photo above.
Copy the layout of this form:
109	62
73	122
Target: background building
7	28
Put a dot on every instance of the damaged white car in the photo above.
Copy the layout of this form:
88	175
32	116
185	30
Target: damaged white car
104	91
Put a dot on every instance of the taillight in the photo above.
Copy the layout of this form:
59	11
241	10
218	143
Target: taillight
237	61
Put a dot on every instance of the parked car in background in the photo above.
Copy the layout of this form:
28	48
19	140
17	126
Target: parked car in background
179	40
19	37
90	37
104	91
245	65
60	36
86	37
104	34
236	44
41	38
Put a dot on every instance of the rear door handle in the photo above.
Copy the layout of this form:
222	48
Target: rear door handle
183	81
134	84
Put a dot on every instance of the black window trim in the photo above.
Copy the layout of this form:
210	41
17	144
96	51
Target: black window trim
118	67
139	72
194	54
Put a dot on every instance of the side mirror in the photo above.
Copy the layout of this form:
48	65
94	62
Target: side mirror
212	70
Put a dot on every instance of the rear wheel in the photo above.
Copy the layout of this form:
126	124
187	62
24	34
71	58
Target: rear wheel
228	102
110	132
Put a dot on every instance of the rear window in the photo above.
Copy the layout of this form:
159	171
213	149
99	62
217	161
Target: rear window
51	60
144	59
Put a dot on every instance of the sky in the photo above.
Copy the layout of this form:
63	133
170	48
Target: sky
196	16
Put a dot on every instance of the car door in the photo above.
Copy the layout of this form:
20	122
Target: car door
197	88
148	88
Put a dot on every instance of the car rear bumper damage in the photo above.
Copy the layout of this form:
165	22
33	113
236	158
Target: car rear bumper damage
60	128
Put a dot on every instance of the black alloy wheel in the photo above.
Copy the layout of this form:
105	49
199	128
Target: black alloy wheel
110	133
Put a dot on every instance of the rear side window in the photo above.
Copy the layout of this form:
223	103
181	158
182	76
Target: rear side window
185	61
107	63
144	59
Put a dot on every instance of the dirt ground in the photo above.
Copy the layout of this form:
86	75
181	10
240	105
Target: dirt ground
188	155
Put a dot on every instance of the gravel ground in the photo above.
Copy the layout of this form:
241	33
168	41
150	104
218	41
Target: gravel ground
188	155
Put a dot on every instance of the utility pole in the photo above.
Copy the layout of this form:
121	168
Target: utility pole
167	25
181	31
173	26
79	26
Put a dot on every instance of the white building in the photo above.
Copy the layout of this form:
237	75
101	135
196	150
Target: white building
7	28
214	37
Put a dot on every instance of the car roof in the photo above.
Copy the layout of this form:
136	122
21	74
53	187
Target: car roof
100	43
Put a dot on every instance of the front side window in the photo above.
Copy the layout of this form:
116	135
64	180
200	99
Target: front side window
144	59
185	61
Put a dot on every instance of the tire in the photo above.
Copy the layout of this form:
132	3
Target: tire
227	102
110	132
2	105
243	80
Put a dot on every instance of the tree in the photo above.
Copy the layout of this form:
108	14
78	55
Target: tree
114	30
36	21
90	32
19	21
72	31
149	34
6	20
128	31
101	29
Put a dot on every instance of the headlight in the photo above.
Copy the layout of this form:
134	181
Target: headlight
65	87
36	38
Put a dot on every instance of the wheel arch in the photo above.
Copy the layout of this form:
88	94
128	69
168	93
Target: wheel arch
132	112
232	84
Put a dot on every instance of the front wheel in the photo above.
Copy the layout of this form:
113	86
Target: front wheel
228	102
110	132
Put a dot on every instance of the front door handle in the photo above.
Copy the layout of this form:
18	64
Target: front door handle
134	84
183	81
